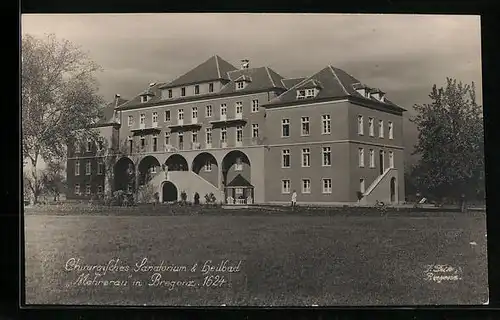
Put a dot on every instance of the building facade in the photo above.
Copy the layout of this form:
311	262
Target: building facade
248	135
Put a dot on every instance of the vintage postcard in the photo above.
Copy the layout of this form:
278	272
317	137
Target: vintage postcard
231	159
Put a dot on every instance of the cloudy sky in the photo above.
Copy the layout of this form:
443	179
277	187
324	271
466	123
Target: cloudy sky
403	55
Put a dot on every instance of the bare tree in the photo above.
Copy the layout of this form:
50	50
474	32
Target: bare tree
59	96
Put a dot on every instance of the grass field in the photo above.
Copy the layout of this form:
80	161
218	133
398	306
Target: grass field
285	260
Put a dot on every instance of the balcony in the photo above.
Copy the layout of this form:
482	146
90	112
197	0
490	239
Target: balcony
142	128
195	146
185	125
224	120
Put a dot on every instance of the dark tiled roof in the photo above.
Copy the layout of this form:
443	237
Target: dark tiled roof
262	78
214	68
153	91
108	112
239	181
288	83
334	83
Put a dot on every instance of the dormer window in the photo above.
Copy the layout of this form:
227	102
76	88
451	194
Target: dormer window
242	82
307	93
144	99
210	87
183	92
240	85
301	94
196	89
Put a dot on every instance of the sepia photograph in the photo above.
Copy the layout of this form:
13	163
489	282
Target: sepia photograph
252	159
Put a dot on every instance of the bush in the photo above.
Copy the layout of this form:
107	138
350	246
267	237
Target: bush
210	199
146	194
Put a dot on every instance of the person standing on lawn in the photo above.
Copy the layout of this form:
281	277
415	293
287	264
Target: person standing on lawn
294	199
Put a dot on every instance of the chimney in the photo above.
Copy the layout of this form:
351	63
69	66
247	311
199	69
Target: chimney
245	64
117	98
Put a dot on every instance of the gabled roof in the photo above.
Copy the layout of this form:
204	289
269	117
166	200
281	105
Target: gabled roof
214	68
109	112
153	91
263	78
312	83
239	181
288	83
335	84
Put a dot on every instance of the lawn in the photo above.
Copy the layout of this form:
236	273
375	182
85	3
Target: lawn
286	260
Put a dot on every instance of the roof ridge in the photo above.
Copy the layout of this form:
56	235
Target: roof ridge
269	75
336	77
217	63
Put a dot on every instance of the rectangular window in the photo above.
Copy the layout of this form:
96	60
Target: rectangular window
210	87
170	93
360	125
285	186
306	186
361	156
155	117
99	190
255	130
167	138
77	168
301	94
87	189
327	156
89	145
381	128
223	134
143	143
155	143
310	93
306	157
326	121
285	163
240	85
391	130
144	99
183	92
77	189
194	136
130	121
305	126
194	112
130	145
100	143
167	115
372	158
370	127
208	111
239	133
223	109
180	137
180	114
208	137
285	128
208	166
239	107
327	185
196	89
255	105
239	165
100	168
142	118
88	168
362	185
391	159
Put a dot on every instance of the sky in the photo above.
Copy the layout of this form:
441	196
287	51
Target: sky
404	55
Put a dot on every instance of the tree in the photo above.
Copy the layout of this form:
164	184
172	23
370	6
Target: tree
450	142
59	98
52	178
